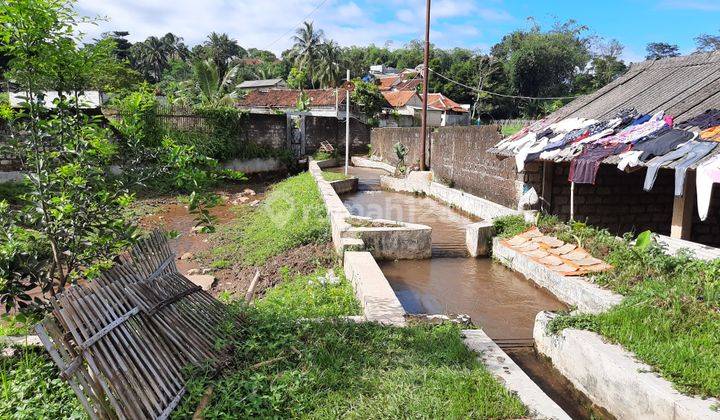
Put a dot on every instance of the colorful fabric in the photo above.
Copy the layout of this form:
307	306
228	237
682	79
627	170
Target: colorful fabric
711	134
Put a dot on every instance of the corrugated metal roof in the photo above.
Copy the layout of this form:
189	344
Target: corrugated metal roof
260	83
683	87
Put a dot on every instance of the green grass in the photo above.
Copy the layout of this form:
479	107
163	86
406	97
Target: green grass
19	324
334	176
509	130
291	215
311	296
670	317
346	370
30	388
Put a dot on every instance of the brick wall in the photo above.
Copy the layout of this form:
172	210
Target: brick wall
332	130
383	142
459	158
266	130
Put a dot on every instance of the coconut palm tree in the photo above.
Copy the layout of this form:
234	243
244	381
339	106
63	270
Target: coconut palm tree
307	43
175	47
150	58
328	65
208	87
222	49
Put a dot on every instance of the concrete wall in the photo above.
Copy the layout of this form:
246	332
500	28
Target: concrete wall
265	130
332	130
252	166
383	141
613	379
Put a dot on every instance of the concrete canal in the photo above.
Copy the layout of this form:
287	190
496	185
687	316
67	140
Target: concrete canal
503	303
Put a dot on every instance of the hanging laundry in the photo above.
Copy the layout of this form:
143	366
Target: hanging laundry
583	169
707	175
707	119
663	144
636	132
686	155
630	158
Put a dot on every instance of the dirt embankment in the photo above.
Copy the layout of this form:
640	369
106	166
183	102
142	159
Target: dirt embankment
193	249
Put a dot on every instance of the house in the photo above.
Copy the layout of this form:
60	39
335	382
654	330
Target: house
89	100
443	111
401	110
321	102
683	88
406	110
262	84
407	80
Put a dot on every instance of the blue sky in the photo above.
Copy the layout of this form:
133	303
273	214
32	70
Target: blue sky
476	24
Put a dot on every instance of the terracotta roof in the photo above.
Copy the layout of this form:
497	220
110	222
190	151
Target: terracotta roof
287	98
399	98
438	101
400	82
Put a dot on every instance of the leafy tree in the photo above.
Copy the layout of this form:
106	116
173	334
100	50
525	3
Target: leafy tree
658	50
368	98
328	65
71	205
297	79
707	43
210	87
121	51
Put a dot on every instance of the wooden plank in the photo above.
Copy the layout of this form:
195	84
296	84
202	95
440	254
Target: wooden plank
683	208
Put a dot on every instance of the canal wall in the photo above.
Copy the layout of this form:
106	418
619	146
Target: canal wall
613	378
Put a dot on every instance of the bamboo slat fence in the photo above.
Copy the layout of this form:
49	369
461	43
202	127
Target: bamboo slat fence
123	341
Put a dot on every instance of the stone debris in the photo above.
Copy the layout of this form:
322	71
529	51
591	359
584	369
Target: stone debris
328	279
248	191
203	280
187	256
564	258
194	271
255	203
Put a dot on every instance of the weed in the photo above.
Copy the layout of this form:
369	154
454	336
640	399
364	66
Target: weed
334	176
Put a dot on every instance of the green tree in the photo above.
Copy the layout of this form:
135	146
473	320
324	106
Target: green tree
71	205
210	87
307	43
658	50
222	50
707	43
368	98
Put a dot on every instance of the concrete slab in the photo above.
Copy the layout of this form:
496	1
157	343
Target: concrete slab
372	289
363	162
478	238
511	376
575	291
345	186
251	166
613	379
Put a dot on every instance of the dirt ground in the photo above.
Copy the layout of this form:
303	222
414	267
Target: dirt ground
168	214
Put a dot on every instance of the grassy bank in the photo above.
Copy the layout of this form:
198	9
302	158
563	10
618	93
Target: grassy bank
292	214
283	368
334	176
670	317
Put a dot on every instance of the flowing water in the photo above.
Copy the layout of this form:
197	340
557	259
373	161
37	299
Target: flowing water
497	299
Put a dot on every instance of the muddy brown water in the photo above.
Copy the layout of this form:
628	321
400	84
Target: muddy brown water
497	299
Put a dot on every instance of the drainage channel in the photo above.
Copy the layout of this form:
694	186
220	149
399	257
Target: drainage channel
497	299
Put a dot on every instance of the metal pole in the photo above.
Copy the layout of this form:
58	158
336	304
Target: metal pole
347	124
426	59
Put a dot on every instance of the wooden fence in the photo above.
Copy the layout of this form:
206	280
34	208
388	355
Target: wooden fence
122	341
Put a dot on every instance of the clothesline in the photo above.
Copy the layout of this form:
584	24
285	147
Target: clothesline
632	139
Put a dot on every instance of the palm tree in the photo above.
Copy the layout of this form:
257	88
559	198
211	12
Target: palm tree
209	86
175	47
150	58
328	64
222	49
306	48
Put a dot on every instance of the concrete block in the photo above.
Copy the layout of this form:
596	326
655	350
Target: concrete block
372	289
574	291
205	281
345	186
251	166
511	376
363	162
478	237
613	379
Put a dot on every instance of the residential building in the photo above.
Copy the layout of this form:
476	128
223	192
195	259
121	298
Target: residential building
263	84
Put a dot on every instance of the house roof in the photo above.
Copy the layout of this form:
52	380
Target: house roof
287	98
443	103
259	83
399	98
683	87
400	82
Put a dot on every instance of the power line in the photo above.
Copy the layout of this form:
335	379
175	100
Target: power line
502	95
297	24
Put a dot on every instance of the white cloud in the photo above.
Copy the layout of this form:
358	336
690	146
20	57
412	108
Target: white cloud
269	24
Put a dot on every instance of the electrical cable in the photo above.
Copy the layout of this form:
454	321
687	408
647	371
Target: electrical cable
296	25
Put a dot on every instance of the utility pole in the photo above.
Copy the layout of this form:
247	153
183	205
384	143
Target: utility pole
426	59
347	123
